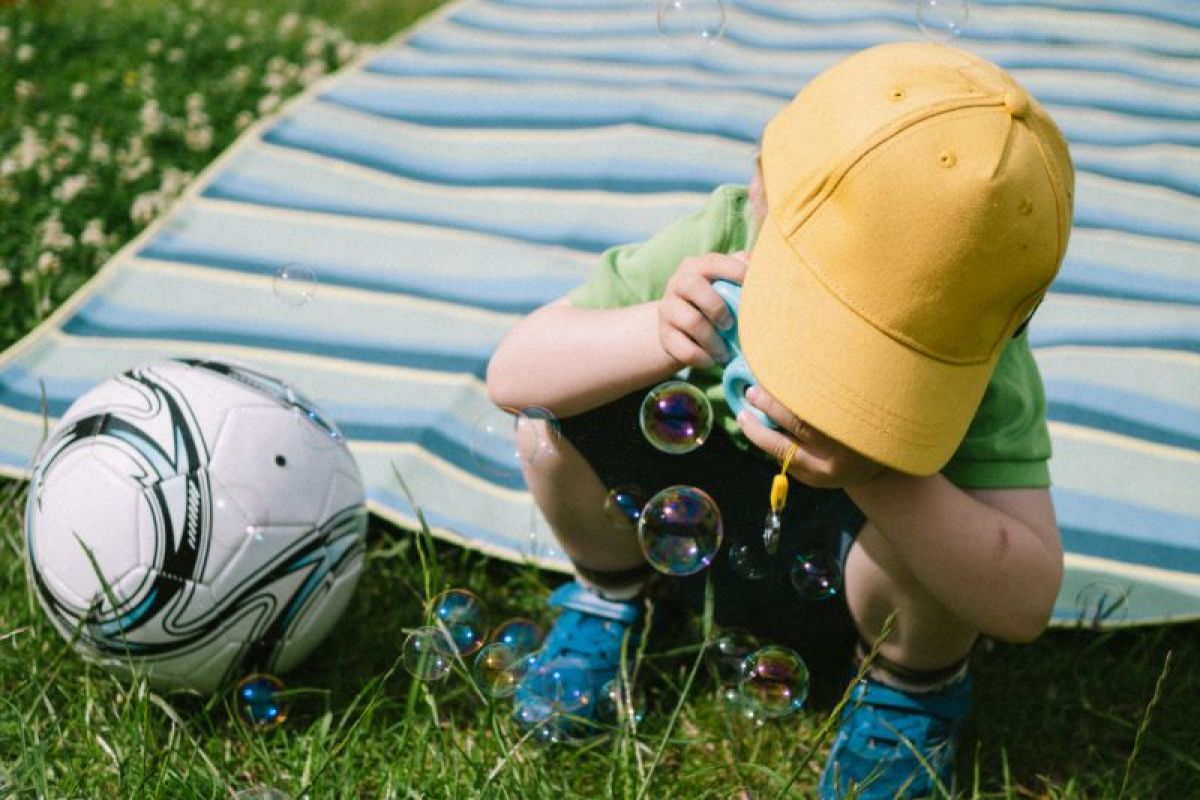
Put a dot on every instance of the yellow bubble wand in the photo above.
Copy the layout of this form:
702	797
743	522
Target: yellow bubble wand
779	492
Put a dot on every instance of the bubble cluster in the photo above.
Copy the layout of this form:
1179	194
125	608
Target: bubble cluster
691	24
428	654
460	614
504	441
624	505
817	575
676	417
560	688
258	699
680	530
621	703
774	682
522	635
728	652
1101	603
942	20
294	284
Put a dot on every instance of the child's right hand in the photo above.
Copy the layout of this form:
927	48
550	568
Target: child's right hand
690	311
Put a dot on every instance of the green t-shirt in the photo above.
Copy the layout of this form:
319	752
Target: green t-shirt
1007	444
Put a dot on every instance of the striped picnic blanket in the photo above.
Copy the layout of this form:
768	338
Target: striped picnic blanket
472	169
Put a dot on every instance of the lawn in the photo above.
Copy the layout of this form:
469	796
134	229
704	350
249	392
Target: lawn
107	111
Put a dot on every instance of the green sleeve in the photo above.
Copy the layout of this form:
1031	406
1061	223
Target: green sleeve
1007	445
638	273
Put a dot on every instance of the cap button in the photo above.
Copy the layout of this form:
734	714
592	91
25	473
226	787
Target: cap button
1016	102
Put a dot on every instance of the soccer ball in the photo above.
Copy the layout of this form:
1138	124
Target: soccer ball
193	521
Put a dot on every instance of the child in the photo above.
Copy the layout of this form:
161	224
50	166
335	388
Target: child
909	210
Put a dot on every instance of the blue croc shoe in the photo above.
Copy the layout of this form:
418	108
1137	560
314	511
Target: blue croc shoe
895	744
559	695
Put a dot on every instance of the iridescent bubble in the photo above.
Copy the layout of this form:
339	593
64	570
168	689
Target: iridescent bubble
618	702
261	793
559	688
624	505
259	701
498	669
728	652
294	284
1101	603
748	560
428	654
733	698
691	24
676	417
817	575
460	614
506	440
774	682
522	635
942	20
680	530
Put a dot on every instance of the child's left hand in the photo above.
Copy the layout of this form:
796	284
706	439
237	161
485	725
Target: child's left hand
819	461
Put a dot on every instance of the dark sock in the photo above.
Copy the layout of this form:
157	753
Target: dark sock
906	679
619	585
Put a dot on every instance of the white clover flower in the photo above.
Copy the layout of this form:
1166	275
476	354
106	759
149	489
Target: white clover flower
23	90
346	50
151	117
234	42
29	277
93	233
5	276
68	142
136	170
243	120
146	207
48	263
25	53
275	81
313	71
191	29
5	35
314	47
199	139
44	305
288	23
79	91
175	55
239	77
268	103
30	150
174	181
253	18
8	166
194	102
70	188
99	151
154	47
55	236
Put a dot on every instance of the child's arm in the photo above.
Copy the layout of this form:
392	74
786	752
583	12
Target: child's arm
570	360
992	557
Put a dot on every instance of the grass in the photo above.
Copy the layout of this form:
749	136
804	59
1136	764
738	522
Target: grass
1076	714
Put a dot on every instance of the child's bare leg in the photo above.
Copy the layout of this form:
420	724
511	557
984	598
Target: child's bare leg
926	635
571	497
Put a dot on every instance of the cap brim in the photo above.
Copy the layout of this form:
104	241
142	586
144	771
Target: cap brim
844	376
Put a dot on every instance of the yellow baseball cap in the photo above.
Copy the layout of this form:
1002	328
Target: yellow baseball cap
919	204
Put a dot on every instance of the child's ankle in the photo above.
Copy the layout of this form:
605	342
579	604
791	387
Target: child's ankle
619	586
914	681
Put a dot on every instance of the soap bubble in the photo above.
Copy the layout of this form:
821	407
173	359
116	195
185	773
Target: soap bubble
680	530
748	559
817	575
618	702
259	702
504	440
728	652
691	23
1101	603
561	687
460	614
676	417
624	505
294	284
522	635
774	682
261	793
498	669
942	20
428	654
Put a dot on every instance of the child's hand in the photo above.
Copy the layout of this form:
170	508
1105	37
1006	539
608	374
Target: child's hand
819	461
691	311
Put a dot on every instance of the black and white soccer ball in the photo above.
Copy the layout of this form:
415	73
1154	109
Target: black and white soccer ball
193	521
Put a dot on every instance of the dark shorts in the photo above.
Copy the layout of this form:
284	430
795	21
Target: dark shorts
740	482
